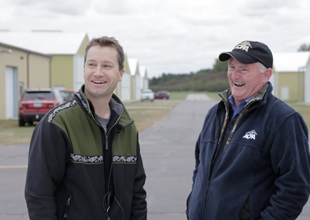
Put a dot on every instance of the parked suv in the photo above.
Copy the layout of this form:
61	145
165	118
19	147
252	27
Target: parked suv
35	103
147	94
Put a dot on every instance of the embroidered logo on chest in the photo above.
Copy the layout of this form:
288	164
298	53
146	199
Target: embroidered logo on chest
250	135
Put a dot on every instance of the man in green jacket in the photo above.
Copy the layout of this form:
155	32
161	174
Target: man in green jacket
84	156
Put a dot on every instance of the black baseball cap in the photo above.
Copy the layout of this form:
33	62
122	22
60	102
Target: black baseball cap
250	52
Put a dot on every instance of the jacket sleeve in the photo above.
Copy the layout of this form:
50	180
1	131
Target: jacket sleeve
290	162
46	167
197	146
197	161
139	206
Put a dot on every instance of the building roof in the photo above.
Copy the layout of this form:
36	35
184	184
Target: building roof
45	42
133	66
142	70
290	62
9	47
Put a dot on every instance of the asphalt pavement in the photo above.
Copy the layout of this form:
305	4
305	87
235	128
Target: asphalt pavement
167	149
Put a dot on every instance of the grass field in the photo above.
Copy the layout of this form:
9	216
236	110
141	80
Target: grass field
144	113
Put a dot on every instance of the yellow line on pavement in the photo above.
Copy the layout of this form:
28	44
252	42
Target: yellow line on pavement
13	167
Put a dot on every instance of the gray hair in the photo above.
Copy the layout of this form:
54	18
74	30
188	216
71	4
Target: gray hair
262	68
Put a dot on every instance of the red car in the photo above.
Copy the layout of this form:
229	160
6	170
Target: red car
35	103
162	95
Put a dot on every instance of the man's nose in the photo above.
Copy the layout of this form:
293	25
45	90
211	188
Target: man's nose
98	71
235	73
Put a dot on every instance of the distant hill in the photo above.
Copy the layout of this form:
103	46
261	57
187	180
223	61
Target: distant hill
211	80
204	80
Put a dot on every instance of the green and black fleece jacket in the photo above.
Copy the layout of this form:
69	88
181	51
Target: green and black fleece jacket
77	171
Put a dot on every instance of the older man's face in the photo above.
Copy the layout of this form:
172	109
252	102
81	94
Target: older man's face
246	80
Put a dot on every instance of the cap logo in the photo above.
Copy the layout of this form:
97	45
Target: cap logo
244	45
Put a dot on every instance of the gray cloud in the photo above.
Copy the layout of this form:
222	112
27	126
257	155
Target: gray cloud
170	35
67	7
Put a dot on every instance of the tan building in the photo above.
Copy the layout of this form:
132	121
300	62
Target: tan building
20	69
307	83
145	78
38	59
136	83
65	48
123	89
289	78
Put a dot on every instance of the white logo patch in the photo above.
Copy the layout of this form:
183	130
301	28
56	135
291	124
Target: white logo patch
250	135
244	45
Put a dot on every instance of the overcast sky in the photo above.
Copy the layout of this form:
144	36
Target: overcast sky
169	36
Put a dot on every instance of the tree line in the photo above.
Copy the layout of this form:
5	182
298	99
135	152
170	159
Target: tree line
212	80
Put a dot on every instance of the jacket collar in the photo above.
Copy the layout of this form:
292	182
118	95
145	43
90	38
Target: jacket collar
267	88
116	106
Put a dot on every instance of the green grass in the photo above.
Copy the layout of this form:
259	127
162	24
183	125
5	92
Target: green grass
214	95
146	113
178	95
11	133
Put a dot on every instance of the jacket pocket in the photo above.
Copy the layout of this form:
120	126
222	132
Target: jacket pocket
245	211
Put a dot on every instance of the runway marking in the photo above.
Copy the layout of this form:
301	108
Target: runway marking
13	167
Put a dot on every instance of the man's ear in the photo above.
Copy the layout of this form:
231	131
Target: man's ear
268	74
121	73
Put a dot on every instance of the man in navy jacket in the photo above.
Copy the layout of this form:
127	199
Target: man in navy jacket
252	155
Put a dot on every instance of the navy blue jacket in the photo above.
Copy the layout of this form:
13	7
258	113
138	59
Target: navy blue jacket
261	170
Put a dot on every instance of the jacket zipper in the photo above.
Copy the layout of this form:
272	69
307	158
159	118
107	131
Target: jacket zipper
106	148
68	203
107	141
108	132
110	172
241	116
107	135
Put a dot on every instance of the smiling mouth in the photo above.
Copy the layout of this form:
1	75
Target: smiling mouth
238	84
99	82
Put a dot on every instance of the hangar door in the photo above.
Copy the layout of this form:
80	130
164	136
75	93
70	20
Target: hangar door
11	92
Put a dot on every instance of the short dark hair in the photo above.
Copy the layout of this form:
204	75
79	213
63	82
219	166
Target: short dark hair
107	42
